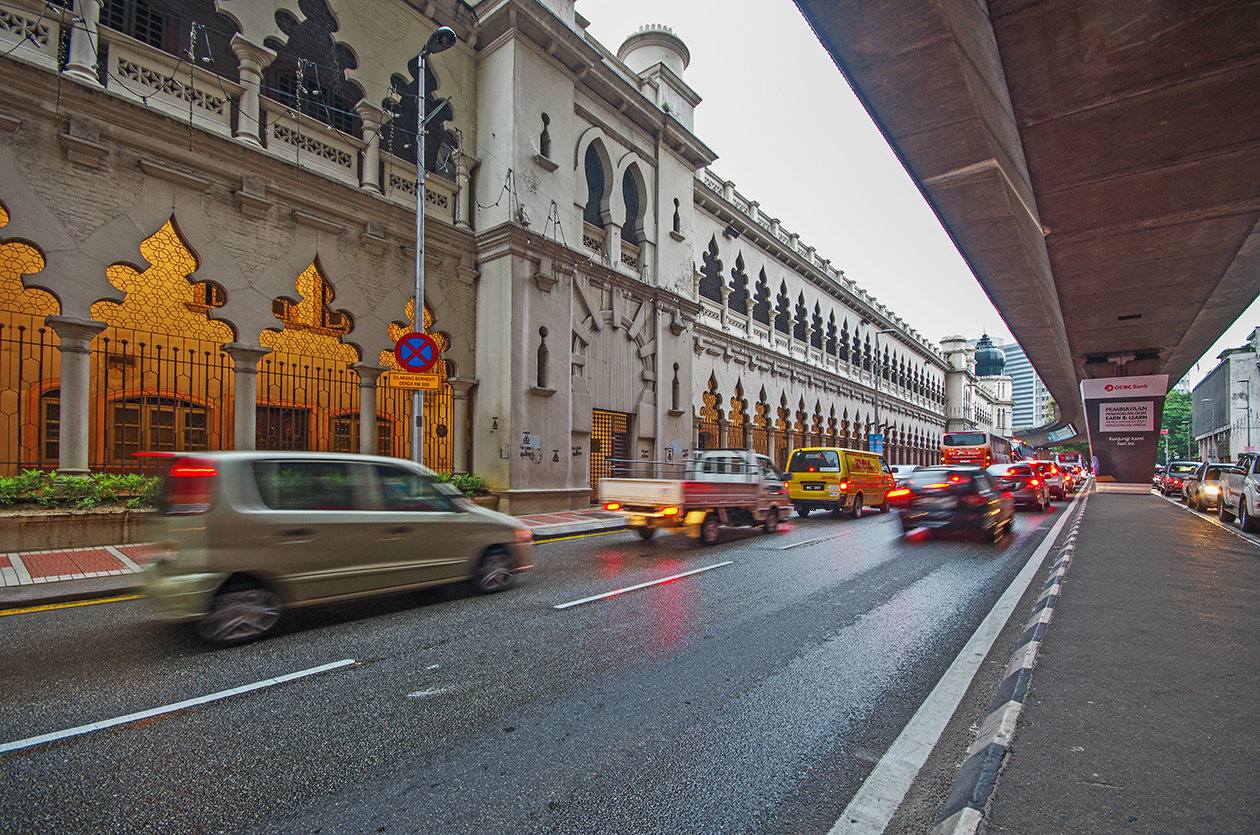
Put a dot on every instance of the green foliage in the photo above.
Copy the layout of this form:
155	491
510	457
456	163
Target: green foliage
50	490
470	484
1177	409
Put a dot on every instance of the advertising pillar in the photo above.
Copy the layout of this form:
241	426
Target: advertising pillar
1124	415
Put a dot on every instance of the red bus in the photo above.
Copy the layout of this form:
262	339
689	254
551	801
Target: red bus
978	448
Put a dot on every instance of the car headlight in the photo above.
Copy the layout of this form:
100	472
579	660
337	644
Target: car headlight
1211	489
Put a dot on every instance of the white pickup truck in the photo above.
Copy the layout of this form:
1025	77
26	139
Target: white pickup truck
717	487
1240	492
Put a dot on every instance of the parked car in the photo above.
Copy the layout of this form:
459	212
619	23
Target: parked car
1026	485
955	498
1240	492
1053	477
248	535
830	478
1201	490
1174	474
901	472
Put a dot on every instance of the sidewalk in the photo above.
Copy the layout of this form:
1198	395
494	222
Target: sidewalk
32	578
1142	708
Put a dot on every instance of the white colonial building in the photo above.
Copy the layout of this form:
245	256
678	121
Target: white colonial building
220	252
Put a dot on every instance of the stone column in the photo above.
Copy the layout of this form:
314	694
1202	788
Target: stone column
371	116
463	200
368	375
461	429
253	60
723	437
84	42
76	337
245	392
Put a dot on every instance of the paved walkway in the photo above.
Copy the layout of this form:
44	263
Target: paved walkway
32	577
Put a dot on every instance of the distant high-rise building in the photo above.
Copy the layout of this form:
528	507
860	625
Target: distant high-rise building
1029	393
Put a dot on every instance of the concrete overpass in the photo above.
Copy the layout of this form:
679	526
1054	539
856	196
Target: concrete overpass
1096	162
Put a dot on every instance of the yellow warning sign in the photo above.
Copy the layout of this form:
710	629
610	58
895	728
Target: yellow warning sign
423	382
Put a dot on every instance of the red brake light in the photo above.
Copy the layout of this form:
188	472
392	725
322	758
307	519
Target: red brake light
1032	482
612	505
898	493
190	487
844	485
669	511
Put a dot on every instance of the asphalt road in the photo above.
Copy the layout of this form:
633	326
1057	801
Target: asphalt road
751	697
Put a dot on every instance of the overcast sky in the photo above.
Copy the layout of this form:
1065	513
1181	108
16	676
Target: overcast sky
790	133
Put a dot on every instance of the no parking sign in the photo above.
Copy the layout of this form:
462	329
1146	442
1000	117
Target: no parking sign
416	352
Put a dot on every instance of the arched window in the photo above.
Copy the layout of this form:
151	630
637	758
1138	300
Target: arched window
309	72
783	310
761	299
816	328
711	273
737	300
830	347
634	214
801	328
594	167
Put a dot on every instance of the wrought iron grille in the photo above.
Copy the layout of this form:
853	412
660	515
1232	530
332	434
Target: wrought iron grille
29	421
610	439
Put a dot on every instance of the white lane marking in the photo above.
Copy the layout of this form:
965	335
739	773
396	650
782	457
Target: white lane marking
432	691
809	542
640	586
873	806
157	711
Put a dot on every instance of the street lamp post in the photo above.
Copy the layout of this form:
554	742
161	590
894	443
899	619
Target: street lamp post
442	39
876	367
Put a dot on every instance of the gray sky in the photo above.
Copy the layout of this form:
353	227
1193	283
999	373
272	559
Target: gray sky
791	135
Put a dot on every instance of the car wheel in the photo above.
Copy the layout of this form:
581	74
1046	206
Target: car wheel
883	508
1246	520
856	510
645	532
772	520
709	530
1225	514
240	613
1193	501
494	572
802	511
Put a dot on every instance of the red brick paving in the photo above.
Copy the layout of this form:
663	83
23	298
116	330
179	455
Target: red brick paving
141	554
4	562
57	563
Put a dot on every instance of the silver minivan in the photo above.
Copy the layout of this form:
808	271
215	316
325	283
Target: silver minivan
246	535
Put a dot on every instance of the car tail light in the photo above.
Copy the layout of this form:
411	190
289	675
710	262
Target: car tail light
190	487
1032	482
898	493
612	505
669	511
844	485
524	534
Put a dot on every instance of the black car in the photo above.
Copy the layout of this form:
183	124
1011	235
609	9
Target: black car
1025	483
955	498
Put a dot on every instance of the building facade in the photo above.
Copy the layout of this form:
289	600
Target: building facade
979	390
221	252
1221	415
1032	398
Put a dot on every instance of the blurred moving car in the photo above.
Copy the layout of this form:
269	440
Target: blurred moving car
901	472
955	498
1174	474
1053	477
1025	484
1201	490
247	535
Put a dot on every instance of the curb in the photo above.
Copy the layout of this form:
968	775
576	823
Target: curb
68	591
968	802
